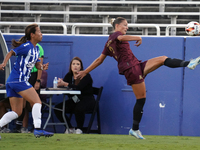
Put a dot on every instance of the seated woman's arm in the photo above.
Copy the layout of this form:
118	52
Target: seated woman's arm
62	83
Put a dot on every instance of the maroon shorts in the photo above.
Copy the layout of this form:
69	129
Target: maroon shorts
134	75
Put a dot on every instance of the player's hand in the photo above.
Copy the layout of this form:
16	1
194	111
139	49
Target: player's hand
36	85
2	66
45	66
81	74
138	43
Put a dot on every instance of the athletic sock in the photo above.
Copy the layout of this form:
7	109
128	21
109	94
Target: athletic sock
175	63
36	113
7	118
138	112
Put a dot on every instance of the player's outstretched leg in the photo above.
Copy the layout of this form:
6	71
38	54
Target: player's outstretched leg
193	63
38	133
136	133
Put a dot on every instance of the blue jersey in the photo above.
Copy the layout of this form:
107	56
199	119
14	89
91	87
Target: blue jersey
27	56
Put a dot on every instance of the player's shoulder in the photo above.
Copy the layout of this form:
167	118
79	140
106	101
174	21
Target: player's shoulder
23	46
117	33
114	36
26	45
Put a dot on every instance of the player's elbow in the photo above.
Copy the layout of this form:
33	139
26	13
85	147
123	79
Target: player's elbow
99	61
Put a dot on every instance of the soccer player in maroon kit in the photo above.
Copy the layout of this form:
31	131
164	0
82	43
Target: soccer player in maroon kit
134	70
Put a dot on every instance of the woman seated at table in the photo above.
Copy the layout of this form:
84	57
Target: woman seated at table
78	104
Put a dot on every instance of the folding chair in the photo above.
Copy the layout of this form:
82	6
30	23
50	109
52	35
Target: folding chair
97	92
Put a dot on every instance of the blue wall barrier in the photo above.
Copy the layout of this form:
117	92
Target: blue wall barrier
191	95
172	94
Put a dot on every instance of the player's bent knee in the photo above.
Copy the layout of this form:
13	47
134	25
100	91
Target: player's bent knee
162	59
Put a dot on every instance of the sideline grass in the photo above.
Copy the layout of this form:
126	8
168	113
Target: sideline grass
16	141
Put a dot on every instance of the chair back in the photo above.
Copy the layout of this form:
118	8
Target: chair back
97	92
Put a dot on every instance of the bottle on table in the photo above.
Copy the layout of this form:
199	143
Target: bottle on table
55	82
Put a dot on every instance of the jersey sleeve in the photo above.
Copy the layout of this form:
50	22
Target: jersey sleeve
21	50
106	51
112	38
115	35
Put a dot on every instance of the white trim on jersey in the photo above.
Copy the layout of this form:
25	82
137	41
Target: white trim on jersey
20	70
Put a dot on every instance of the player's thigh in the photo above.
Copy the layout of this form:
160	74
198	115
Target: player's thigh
153	64
30	95
139	90
16	104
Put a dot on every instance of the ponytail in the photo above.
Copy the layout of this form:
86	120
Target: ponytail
18	43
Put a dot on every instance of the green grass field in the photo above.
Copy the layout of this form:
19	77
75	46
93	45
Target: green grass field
16	141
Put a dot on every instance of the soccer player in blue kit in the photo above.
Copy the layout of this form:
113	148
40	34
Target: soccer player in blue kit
17	85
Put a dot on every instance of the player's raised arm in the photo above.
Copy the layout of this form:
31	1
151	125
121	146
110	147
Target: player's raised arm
138	39
9	54
95	64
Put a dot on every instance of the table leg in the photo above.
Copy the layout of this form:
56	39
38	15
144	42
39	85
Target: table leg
50	107
63	114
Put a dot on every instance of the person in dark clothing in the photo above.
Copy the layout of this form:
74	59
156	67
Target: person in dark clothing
78	104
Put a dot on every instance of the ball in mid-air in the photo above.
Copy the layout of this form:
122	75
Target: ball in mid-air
192	28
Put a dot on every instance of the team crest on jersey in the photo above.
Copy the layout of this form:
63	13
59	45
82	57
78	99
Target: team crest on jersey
32	60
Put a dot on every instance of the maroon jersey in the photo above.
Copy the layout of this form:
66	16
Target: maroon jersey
120	51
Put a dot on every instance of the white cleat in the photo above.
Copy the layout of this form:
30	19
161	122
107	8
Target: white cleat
78	131
70	131
193	63
136	133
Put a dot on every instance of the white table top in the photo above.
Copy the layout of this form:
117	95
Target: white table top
2	91
44	91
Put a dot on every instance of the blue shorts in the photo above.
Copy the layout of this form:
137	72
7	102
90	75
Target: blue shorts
12	89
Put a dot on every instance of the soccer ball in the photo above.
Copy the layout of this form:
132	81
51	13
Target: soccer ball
192	28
